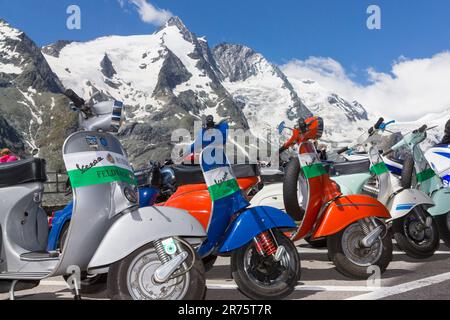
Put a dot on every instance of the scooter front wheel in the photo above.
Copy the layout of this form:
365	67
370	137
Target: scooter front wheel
132	278
352	259
414	237
262	277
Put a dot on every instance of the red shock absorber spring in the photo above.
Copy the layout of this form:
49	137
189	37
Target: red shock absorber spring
265	244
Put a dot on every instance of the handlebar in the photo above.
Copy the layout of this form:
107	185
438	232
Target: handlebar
423	128
77	101
378	124
341	151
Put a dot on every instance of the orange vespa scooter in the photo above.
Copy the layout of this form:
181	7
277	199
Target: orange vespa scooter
357	237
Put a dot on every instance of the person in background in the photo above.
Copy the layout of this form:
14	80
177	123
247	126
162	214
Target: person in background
7	156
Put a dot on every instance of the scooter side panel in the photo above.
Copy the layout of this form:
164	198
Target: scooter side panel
406	200
251	223
134	230
352	184
441	199
346	211
270	195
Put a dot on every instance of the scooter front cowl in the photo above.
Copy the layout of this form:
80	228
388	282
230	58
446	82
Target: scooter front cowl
251	223
347	210
441	199
140	227
407	200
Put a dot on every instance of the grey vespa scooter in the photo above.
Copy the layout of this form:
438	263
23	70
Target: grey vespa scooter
147	253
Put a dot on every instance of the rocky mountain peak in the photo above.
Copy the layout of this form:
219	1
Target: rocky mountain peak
55	48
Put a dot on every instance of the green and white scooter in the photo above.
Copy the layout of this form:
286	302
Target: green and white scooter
413	227
418	173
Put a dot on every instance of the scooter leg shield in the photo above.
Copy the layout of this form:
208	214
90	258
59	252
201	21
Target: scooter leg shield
408	199
251	223
138	228
441	199
347	210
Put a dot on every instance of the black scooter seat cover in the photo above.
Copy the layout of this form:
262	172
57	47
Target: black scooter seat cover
348	167
273	178
23	171
192	174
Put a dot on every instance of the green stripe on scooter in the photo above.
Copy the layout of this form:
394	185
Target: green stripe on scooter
425	175
314	170
379	169
100	175
224	189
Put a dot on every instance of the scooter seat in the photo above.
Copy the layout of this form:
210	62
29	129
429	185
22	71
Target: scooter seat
23	171
273	178
187	175
349	167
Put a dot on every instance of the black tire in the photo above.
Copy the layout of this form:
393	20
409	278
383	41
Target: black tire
347	267
254	288
320	243
290	189
411	241
208	262
407	172
443	222
118	276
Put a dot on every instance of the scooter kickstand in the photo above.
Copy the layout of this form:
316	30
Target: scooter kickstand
77	295
11	290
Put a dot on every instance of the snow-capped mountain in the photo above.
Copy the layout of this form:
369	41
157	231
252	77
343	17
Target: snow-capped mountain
166	80
30	98
263	91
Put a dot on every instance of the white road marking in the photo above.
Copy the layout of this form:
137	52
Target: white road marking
231	285
402	288
312	250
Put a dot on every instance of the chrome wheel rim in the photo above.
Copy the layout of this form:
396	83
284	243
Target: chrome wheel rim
142	286
363	257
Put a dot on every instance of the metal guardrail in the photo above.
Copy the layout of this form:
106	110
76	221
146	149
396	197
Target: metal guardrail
56	183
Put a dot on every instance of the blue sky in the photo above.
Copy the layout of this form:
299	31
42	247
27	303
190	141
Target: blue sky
282	30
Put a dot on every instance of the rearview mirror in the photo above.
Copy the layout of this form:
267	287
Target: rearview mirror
281	127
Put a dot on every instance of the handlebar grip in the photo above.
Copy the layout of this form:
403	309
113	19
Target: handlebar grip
423	128
77	101
379	123
386	153
341	151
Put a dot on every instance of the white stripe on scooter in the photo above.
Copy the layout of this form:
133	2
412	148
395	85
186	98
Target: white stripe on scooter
402	288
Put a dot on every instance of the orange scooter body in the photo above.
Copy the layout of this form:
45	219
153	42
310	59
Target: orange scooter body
328	211
196	199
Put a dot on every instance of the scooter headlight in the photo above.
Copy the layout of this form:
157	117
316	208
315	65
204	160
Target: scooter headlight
131	195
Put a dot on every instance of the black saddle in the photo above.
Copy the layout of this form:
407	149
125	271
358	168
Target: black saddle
187	175
23	171
349	167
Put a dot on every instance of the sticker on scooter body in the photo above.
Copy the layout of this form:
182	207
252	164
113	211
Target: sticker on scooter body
169	246
100	167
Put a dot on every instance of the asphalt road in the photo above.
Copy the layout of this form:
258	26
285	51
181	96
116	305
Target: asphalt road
406	278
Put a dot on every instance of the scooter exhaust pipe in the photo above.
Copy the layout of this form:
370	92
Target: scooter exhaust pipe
370	239
163	273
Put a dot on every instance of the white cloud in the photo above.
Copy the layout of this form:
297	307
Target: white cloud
148	12
413	88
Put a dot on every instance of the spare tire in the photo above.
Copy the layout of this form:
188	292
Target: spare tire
407	172
290	190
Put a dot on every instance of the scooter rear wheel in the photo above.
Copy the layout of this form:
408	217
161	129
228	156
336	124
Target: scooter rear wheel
353	261
416	240
262	278
132	278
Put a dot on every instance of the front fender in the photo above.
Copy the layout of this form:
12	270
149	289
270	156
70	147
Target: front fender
348	210
405	201
134	230
441	199
251	223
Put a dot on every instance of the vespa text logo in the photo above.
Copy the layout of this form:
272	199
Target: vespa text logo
85	168
74	20
374	20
